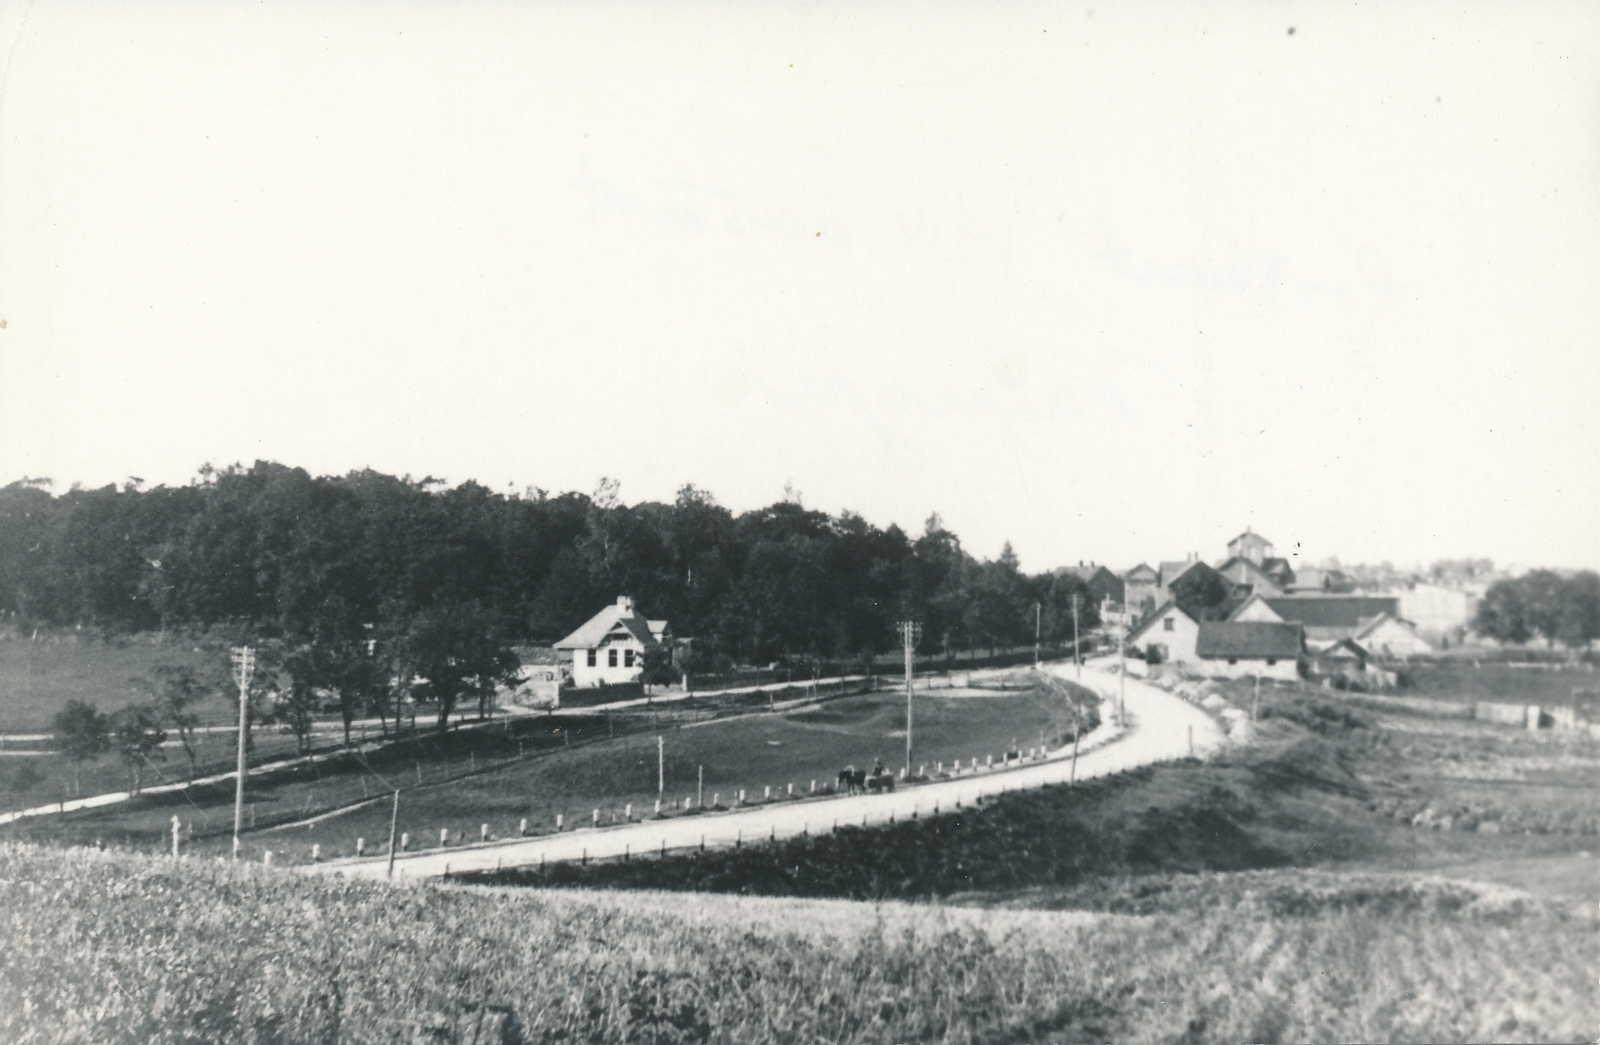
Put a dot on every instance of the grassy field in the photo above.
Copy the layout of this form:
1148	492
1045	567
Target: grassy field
1461	679
126	948
39	675
1282	892
752	753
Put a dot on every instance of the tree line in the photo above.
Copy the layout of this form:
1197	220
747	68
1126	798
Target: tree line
351	582
1556	607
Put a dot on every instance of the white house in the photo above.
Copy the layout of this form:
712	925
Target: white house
1172	629
609	648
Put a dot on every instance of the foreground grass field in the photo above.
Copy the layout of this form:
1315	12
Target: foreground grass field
109	947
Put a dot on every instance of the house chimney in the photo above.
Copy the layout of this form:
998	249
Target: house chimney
624	603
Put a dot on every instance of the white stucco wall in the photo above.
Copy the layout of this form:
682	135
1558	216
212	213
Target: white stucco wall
1179	642
1286	670
603	673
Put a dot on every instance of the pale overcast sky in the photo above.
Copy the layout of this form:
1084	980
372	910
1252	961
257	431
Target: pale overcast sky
1113	281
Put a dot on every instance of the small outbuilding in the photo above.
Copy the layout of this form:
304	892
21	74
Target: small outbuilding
1244	649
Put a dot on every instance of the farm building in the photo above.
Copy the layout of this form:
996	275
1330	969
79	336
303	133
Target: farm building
609	648
1346	656
1170	628
538	682
1328	618
1246	649
1389	636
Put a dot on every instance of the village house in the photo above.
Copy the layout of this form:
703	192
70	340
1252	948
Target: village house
1251	562
1172	630
1248	649
1139	591
1391	636
1326	618
1437	611
1246	575
609	648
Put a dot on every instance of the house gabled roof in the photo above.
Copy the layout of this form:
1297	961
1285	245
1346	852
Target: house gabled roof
1377	622
1141	572
1246	604
1344	649
1279	570
1250	564
1171	571
1332	611
1159	614
618	619
1252	640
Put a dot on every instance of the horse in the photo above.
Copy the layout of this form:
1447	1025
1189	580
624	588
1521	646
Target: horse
852	779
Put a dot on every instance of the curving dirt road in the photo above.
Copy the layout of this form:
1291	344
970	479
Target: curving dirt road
1159	727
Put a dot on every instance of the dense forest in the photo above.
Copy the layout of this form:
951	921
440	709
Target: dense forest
274	552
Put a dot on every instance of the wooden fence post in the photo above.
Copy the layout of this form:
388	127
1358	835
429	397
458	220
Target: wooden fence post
361	846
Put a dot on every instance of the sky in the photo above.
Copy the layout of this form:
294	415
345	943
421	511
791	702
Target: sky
1112	282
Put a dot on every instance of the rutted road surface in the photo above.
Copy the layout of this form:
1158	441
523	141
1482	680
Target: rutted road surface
1159	727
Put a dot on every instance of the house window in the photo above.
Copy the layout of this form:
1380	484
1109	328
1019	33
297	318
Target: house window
611	658
591	658
1233	660
1167	624
627	658
1271	661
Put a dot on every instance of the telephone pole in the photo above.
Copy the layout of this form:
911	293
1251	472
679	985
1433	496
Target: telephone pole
1122	674
1077	658
1036	636
661	766
910	633
244	664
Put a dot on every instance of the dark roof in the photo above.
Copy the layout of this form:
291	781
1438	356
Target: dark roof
1171	571
1099	580
1279	570
1344	649
1254	640
1243	561
1333	611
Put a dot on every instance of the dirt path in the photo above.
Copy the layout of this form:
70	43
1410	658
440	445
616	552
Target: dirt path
1160	727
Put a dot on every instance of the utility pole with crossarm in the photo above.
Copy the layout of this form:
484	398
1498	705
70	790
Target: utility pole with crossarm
910	634
244	664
